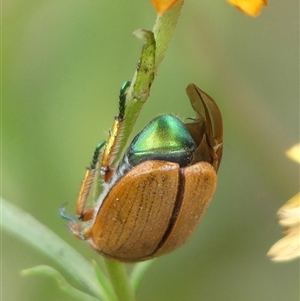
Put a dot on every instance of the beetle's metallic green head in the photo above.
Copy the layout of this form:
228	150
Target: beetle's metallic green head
165	138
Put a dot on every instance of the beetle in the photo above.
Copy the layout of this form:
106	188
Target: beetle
153	200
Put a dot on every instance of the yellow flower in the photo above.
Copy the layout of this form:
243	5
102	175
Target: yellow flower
161	6
250	7
289	216
294	153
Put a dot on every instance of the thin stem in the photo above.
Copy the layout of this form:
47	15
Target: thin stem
119	279
151	58
163	30
138	273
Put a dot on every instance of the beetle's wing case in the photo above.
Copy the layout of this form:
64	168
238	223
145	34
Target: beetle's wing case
136	212
152	210
207	129
119	172
198	187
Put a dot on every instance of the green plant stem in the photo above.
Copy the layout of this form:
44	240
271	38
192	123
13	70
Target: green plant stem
138	273
104	281
163	30
119	279
139	90
152	55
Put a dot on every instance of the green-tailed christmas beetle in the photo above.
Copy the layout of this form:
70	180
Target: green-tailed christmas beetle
153	200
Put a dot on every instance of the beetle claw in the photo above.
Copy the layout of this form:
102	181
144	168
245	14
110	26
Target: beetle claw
63	214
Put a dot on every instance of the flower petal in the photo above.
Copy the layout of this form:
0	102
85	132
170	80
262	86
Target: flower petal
288	247
250	7
161	6
289	213
294	153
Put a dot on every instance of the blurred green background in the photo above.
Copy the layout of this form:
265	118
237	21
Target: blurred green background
63	65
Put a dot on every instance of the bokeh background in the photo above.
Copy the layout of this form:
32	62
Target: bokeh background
63	65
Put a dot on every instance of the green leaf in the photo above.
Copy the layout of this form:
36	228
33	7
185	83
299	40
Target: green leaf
104	281
62	283
26	227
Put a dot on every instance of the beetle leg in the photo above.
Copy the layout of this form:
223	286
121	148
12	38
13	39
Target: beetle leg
110	149
114	138
63	214
82	213
74	225
105	161
79	232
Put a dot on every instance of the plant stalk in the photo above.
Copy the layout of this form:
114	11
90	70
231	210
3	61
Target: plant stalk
119	279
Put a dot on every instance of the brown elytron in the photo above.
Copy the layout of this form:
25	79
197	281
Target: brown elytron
153	210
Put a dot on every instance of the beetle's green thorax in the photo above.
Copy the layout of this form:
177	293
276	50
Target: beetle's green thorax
164	138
